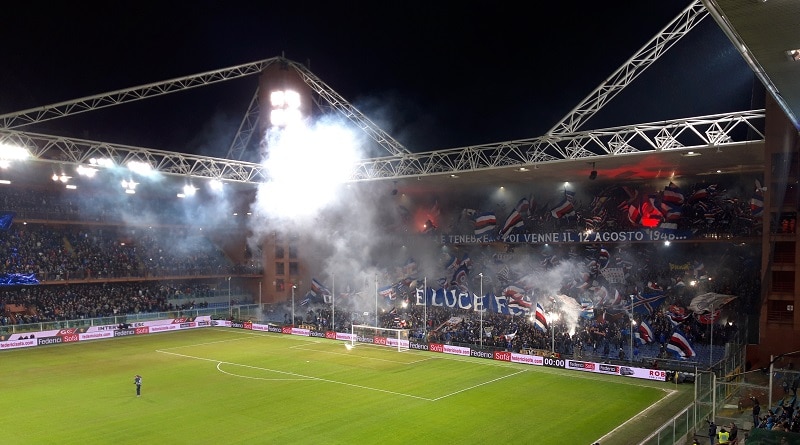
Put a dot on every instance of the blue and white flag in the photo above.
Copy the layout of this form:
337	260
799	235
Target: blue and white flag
6	218
645	332
680	346
485	223
539	320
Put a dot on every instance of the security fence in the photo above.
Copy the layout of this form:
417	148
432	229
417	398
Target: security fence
721	394
239	312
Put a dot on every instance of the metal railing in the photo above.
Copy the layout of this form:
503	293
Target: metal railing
676	430
238	312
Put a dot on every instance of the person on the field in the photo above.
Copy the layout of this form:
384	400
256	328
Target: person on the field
137	380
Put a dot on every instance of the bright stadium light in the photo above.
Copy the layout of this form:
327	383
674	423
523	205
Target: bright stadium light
129	186
89	172
189	190
326	153
101	162
285	108
216	185
142	168
11	152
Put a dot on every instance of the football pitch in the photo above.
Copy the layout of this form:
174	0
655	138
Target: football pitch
220	385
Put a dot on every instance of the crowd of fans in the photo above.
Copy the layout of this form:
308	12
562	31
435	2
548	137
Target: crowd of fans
98	207
79	253
86	252
40	304
102	268
783	417
588	338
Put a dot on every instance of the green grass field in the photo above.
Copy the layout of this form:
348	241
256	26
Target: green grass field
218	385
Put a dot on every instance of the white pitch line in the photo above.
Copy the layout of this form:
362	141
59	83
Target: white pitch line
556	371
443	357
302	348
203	344
219	368
479	384
670	393
301	375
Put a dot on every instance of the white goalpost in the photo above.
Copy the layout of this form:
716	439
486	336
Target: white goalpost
365	334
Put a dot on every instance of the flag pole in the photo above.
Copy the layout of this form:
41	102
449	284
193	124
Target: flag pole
481	330
425	309
711	340
376	300
333	302
631	329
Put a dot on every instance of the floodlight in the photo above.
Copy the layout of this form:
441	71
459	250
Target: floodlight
101	162
276	98
86	171
285	108
277	117
143	168
11	152
292	116
215	185
292	99
189	190
129	186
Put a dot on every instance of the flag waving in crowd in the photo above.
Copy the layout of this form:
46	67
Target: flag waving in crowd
515	219
680	346
539	321
646	332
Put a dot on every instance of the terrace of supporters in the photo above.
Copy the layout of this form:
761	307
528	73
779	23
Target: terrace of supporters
87	244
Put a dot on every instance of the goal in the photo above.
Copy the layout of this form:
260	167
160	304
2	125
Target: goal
394	338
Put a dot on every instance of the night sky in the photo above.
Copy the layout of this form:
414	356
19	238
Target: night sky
432	76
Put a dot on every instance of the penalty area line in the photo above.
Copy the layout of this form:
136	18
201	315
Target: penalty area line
305	377
352	354
219	368
479	384
670	393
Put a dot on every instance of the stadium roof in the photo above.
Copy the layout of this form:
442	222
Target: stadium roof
765	33
709	145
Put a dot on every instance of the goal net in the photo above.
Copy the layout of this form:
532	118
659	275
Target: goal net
393	338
